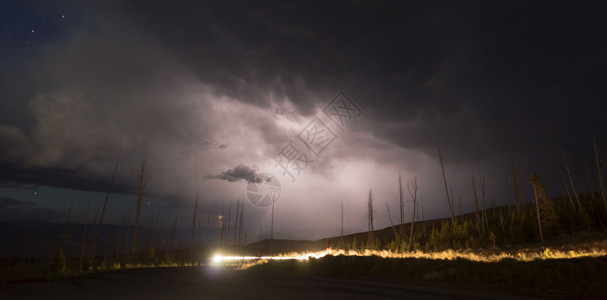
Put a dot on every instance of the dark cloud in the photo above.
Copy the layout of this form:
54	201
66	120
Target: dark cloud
197	87
241	172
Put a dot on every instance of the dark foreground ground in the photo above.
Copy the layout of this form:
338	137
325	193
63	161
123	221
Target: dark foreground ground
223	283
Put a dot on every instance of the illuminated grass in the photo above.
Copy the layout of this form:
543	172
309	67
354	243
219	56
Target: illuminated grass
564	270
593	250
546	272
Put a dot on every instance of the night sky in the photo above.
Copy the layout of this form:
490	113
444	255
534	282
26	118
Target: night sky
209	95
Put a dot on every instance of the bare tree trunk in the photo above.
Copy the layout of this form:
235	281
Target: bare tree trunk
461	215
107	196
228	220
414	197
562	175
272	231
223	221
139	199
478	217
370	208
120	236
599	172
502	222
507	190
67	223
440	155
401	204
421	197
485	221
83	246
236	219
128	229
193	228
169	245
208	229
241	226
517	199
342	224
90	238
260	240
390	218
148	234
533	179
577	199
590	188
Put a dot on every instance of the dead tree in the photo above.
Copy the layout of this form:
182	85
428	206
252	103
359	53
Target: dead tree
401	203
236	220
193	227
67	223
537	186
370	216
390	219
142	184
563	183
126	241
107	196
478	217
590	187
83	246
413	195
577	199
484	214
599	172
342	224
440	155
421	198
507	190
517	195
241	239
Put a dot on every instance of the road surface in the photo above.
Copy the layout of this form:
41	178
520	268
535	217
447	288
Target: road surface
221	283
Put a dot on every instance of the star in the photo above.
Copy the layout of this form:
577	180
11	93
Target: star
32	30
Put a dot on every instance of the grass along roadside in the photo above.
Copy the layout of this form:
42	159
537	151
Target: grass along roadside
583	276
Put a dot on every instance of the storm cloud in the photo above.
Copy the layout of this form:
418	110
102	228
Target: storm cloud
196	88
240	172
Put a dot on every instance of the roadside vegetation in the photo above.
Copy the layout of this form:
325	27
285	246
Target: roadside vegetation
540	242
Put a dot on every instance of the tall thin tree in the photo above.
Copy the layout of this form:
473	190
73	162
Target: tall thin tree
370	216
142	184
599	172
342	224
86	219
67	223
107	196
476	213
483	194
535	182
517	195
401	203
194	227
440	155
414	198
577	199
588	177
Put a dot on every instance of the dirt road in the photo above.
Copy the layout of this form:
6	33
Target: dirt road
221	283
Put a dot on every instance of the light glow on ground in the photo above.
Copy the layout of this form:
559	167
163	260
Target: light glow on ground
489	256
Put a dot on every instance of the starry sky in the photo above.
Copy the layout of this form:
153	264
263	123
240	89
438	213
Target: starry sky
211	94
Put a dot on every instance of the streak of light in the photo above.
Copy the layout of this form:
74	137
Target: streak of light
520	255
